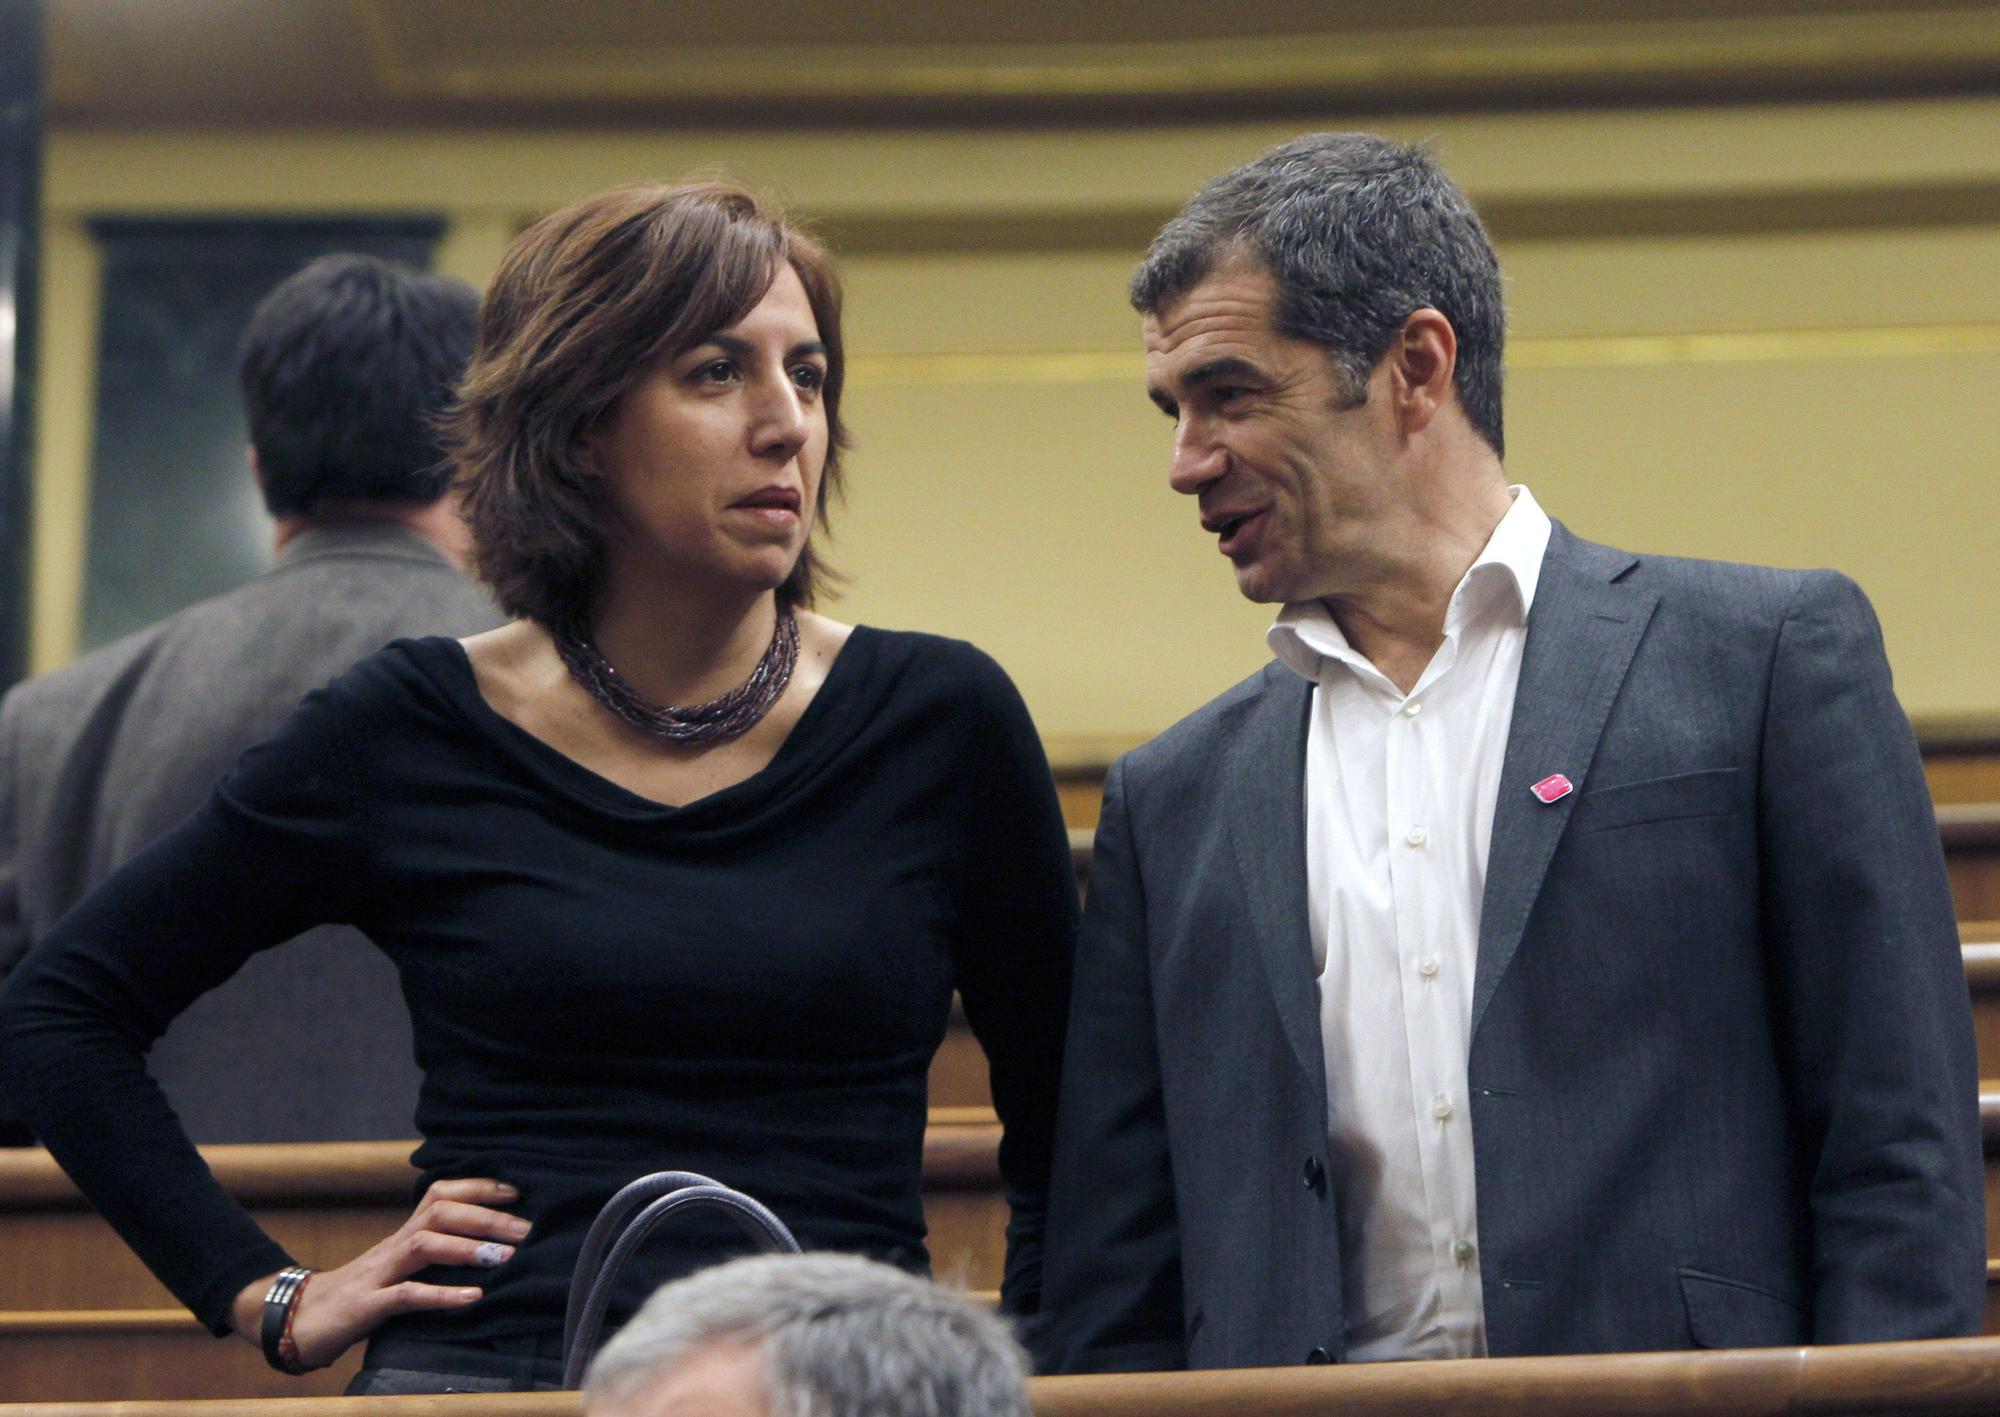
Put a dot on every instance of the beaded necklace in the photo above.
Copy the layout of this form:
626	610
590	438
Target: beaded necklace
716	721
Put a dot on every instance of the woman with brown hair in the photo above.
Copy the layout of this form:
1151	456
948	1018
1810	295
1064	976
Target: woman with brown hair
678	874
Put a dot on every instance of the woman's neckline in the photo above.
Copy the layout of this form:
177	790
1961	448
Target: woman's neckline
547	759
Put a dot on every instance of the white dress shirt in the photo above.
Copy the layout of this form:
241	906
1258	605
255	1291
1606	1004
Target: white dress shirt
1399	798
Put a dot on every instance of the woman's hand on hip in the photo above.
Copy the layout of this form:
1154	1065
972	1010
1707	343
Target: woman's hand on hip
454	1224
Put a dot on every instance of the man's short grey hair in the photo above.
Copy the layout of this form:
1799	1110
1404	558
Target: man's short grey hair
837	1336
1358	233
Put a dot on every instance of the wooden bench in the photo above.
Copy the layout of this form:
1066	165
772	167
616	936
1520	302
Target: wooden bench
81	1318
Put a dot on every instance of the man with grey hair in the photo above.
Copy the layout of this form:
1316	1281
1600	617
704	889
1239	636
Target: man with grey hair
1551	951
815	1335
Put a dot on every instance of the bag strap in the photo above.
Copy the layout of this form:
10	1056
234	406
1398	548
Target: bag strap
612	1241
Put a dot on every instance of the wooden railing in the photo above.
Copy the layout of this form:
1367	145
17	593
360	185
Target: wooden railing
1949	1376
1953	1376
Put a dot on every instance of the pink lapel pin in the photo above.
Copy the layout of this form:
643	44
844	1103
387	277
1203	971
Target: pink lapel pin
1552	788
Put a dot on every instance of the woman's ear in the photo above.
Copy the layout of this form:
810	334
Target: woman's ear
583	448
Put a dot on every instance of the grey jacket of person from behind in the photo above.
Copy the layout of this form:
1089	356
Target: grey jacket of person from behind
101	757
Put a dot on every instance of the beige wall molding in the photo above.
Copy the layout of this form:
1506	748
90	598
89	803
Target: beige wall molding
459	51
1751	346
1765	211
1761	211
770	65
1601	351
1559	172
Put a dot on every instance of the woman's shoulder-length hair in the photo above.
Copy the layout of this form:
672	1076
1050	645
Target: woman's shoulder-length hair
584	302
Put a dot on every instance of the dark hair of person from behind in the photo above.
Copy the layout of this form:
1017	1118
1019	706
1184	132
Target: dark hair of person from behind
346	367
1358	233
584	302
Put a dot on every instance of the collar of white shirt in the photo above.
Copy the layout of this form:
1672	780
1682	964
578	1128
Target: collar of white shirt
1305	635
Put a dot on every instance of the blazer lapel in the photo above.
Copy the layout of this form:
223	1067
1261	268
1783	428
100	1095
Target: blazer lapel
1264	789
1582	633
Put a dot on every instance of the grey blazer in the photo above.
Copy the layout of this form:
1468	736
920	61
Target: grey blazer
310	1041
1723	1087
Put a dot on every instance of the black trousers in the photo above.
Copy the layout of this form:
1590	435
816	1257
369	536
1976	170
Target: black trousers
398	1367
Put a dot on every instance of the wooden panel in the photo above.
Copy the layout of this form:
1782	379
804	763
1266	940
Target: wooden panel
1980	947
968	1240
70	1259
1986	1032
1082	796
1975	884
1989	1123
958	1072
158	1354
1992	1216
1963	777
1971	835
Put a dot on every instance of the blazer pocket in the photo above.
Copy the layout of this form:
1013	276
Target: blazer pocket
1730	1313
1711	792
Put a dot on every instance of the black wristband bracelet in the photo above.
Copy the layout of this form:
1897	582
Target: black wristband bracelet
279	1302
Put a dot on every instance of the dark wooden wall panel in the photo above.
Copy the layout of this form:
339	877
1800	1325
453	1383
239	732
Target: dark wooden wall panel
174	515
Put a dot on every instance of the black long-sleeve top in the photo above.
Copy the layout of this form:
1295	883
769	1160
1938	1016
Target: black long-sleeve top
750	986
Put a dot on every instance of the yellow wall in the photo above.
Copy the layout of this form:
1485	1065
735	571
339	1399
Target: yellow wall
1759	333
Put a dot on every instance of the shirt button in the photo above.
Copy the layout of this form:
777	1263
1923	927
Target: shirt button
1416	836
1319	1355
1412	710
1315	1174
1428	966
1441	1108
1462	1252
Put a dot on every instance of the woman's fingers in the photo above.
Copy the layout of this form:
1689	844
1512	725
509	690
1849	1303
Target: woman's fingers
454	1224
328	1325
409	1296
449	1232
458	1218
429	1247
481	1190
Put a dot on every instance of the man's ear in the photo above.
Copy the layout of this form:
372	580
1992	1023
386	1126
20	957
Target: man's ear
1422	360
